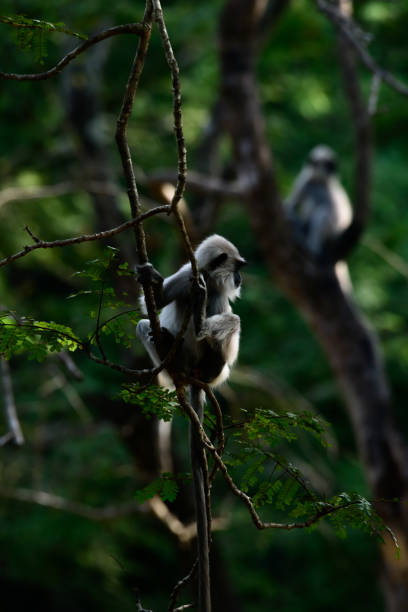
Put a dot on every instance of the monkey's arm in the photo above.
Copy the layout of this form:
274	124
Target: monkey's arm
174	287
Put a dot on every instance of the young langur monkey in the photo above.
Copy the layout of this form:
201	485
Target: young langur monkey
211	342
319	208
208	350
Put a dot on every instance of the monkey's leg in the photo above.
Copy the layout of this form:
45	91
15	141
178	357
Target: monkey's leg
200	481
143	331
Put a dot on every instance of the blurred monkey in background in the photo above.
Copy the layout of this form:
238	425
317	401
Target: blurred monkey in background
319	208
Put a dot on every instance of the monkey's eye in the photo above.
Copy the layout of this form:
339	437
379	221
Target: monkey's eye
217	261
330	166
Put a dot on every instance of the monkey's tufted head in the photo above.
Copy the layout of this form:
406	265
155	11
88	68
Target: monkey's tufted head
322	161
220	262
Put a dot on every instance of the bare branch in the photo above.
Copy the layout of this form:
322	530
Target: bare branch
178	126
180	584
184	533
70	365
340	247
129	28
9	403
349	30
202	183
49	500
126	159
43	244
12	194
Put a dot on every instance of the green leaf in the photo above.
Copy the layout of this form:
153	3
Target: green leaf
151	400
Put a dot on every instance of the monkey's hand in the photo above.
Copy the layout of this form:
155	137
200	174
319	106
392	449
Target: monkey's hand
147	275
199	303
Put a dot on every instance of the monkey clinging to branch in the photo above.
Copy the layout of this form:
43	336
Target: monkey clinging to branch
211	341
209	347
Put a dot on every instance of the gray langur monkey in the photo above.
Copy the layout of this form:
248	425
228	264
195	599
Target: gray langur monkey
208	350
211	342
318	206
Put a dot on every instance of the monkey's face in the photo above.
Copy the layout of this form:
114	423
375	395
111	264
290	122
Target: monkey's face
223	273
322	162
220	262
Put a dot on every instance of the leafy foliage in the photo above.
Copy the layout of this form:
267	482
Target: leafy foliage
255	445
100	273
32	34
271	479
272	427
37	338
151	400
166	487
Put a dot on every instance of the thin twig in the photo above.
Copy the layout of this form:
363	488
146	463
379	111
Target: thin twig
30	233
180	584
360	121
178	126
129	28
43	244
349	29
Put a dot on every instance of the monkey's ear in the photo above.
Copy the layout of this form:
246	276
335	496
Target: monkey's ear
217	261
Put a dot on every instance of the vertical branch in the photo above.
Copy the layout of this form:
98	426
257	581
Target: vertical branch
9	403
126	158
201	493
178	129
360	118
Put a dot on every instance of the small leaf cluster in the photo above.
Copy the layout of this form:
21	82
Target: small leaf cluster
264	473
166	487
37	338
272	427
120	321
151	400
31	34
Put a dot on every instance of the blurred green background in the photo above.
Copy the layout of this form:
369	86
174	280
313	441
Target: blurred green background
58	561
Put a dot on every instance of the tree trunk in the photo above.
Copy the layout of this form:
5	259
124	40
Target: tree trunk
348	342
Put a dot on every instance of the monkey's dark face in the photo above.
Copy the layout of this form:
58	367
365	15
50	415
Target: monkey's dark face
224	271
239	263
323	166
322	161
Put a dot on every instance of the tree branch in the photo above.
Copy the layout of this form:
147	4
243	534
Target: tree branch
201	183
349	29
129	28
44	244
341	246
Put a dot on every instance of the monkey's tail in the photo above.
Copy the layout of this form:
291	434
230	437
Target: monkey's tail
200	481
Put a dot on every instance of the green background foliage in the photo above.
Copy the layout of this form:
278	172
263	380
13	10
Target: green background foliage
63	562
